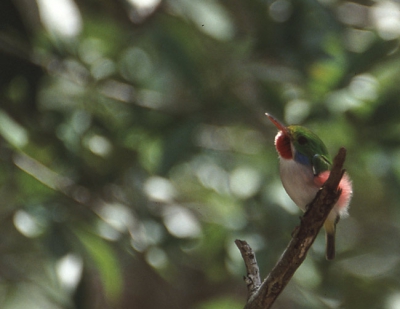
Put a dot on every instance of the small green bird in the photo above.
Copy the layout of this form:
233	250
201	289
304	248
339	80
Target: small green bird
304	167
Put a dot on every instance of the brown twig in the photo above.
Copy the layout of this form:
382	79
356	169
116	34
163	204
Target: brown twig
253	279
264	295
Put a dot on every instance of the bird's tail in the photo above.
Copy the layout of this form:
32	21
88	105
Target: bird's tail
330	246
330	239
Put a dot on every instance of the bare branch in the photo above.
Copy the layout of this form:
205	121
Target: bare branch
296	251
253	279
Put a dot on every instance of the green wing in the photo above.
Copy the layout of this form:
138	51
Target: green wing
320	163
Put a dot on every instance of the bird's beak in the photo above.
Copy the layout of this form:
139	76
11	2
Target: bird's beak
279	125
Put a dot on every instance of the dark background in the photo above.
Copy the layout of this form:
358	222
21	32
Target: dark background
134	149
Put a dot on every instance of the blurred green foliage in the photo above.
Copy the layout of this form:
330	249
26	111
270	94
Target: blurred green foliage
134	149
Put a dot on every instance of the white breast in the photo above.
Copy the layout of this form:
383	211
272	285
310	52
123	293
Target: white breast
298	181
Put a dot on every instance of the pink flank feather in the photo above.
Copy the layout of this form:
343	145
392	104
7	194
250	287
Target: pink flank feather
345	185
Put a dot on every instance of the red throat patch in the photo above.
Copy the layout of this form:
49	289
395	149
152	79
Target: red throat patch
282	144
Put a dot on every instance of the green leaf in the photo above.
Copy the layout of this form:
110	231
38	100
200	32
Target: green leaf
105	261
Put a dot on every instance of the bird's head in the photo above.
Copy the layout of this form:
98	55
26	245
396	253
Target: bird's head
297	142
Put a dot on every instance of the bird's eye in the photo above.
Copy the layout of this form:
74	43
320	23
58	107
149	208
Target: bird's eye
302	140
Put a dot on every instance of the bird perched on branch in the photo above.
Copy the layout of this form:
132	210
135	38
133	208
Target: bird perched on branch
304	167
